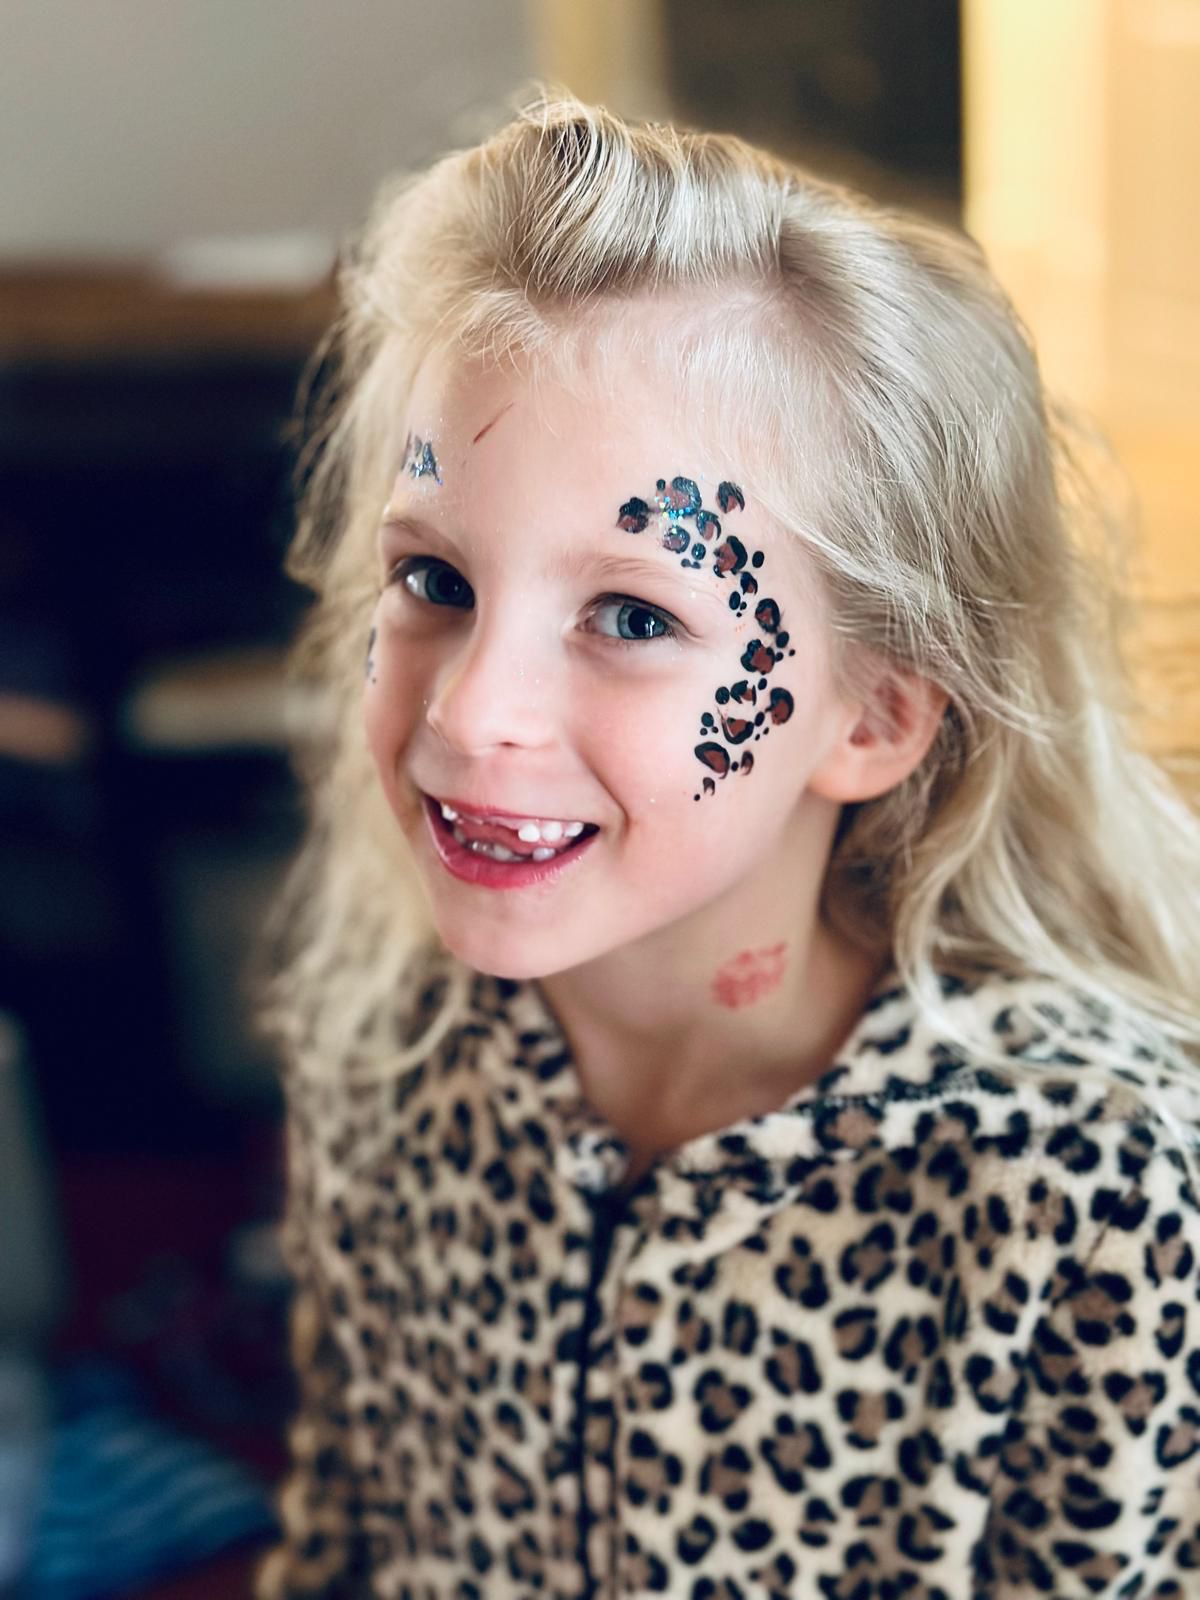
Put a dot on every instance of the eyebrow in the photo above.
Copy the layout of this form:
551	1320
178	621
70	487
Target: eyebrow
578	560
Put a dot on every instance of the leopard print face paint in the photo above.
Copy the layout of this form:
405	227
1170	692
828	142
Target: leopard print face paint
687	529
419	460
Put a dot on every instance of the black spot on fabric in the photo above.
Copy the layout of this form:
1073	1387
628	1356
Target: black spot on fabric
939	1390
947	1165
857	1332
553	1065
720	1402
1085	1506
979	1371
1060	1094
883	1491
1177	1443
998	1217
693	1542
793	1368
915	1530
739	1328
499	1179
918	1455
1070	1145
656	1381
540	1201
1026	1509
753	1534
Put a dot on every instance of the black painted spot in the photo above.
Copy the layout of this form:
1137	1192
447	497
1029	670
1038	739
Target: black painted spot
729	556
758	657
729	495
757	559
766	614
782	705
683	496
633	516
713	756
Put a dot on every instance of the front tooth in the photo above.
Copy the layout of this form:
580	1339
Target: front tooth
544	855
449	813
552	832
530	833
573	830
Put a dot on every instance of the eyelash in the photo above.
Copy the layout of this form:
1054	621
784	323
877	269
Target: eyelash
411	564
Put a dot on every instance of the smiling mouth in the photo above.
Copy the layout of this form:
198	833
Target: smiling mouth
523	841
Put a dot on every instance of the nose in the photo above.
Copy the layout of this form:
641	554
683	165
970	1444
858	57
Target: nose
495	690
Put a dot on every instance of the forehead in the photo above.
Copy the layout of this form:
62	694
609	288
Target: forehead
561	440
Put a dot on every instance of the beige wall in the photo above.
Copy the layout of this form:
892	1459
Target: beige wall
128	124
1082	123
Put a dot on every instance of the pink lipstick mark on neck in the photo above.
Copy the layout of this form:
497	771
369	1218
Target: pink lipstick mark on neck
749	976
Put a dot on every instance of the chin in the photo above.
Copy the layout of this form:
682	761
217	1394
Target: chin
502	955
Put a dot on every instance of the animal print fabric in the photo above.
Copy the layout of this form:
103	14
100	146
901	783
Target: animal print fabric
928	1332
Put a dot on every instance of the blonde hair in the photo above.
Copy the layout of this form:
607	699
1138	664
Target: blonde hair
947	521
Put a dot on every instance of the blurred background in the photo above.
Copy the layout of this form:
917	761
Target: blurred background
175	180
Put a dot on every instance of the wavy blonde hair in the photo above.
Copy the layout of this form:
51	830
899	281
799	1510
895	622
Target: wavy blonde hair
947	520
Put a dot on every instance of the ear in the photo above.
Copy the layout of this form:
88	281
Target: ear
883	739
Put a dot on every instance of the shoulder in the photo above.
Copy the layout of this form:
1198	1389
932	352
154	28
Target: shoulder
1019	1087
340	1091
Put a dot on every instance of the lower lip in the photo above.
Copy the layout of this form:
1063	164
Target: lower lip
471	867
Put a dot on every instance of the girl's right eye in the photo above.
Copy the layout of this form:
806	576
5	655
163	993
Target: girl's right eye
436	582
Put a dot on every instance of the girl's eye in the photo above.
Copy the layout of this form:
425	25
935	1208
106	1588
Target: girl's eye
433	581
437	583
634	621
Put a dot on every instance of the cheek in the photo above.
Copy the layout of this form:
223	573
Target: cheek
392	694
637	734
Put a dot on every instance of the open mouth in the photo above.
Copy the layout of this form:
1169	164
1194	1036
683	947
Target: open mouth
511	841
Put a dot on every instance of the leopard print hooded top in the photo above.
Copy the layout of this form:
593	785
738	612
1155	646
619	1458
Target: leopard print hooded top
928	1332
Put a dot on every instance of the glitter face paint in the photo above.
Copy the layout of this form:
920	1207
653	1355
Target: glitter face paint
749	977
677	503
419	460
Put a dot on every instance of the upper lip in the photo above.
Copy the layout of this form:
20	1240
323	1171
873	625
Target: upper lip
482	808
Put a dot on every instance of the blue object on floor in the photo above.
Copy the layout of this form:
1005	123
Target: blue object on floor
128	1498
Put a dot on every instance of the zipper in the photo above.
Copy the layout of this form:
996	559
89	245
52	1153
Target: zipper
608	1209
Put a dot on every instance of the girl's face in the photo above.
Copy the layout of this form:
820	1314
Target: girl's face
585	617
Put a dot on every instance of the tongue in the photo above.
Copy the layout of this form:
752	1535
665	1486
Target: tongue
496	833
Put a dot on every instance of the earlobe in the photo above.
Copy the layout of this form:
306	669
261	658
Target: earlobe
883	740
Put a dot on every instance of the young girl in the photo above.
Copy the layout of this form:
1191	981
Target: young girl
741	1009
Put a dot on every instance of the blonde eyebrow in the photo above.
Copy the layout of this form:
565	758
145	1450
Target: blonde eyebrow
574	561
579	561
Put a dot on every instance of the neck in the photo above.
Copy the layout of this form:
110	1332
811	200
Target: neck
716	1017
